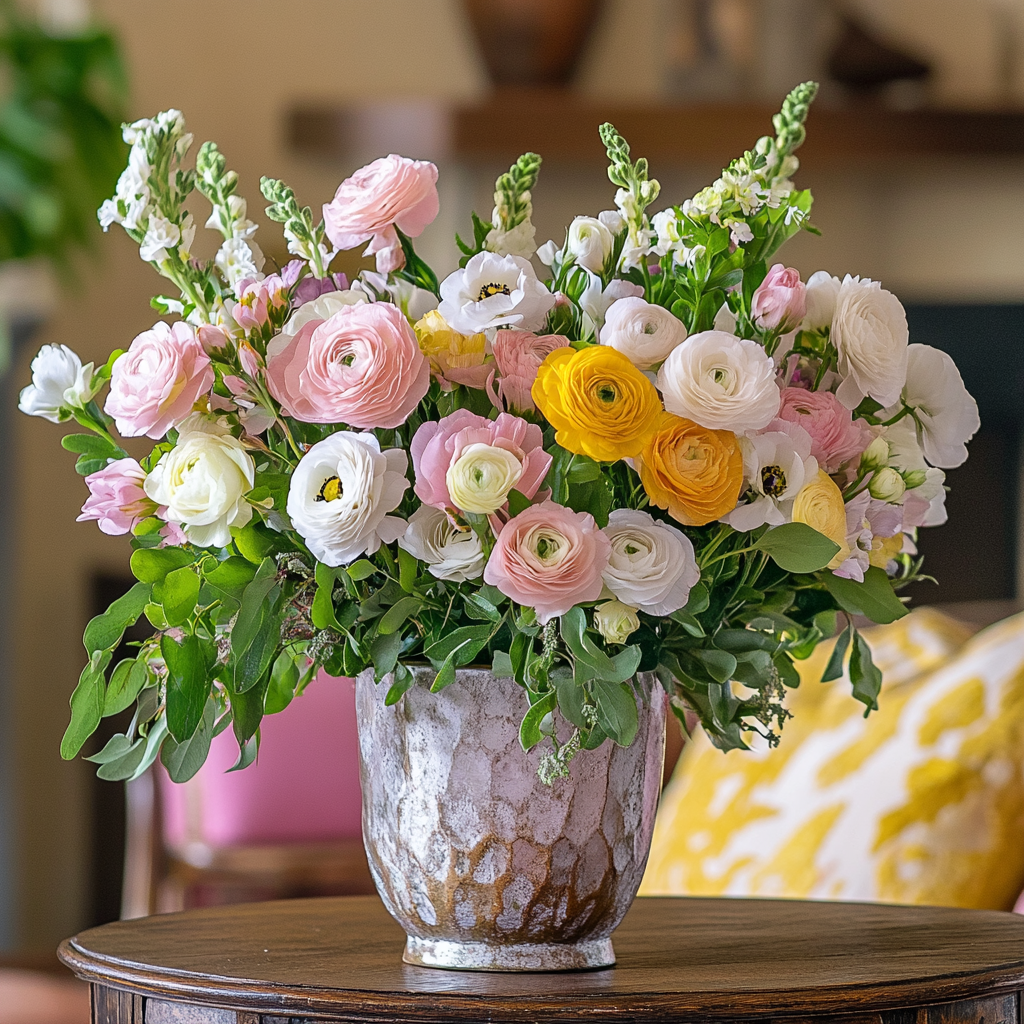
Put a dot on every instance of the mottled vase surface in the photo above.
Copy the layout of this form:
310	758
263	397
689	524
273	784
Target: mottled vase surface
485	866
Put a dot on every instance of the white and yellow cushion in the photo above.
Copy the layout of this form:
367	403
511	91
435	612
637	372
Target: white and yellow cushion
921	802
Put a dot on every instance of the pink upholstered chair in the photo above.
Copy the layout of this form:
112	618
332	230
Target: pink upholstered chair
288	825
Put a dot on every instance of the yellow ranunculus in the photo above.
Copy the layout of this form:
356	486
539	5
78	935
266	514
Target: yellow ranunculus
599	403
820	505
448	350
693	472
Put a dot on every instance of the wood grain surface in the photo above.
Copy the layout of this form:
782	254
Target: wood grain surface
705	959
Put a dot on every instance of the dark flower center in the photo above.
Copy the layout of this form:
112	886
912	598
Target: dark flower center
773	480
492	288
330	490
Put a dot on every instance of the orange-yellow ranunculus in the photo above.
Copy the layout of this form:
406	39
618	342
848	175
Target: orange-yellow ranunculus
599	403
454	358
694	472
819	504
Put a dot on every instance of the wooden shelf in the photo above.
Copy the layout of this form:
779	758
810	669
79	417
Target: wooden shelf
561	125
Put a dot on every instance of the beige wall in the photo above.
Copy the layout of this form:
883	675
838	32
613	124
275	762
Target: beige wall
234	67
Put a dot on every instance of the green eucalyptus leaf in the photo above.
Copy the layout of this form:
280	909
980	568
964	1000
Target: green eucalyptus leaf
865	675
529	731
121	768
253	608
151	565
408	570
154	741
403	680
232	575
183	760
397	615
616	710
177	593
189	664
249	666
86	705
797	547
501	665
834	668
361	570
247	752
126	683
283	679
874	598
721	665
105	631
467	641
384	651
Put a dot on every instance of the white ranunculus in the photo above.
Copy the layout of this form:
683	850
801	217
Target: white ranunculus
322	308
161	235
946	414
595	301
615	621
776	464
518	241
590	243
59	381
652	565
481	477
494	291
822	290
341	493
721	382
202	481
643	332
869	331
451	553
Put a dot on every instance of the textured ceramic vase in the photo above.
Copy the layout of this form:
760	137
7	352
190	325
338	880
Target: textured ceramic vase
485	866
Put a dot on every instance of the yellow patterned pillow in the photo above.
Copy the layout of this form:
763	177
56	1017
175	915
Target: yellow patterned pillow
922	802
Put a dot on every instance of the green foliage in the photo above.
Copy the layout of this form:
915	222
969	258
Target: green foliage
60	138
797	547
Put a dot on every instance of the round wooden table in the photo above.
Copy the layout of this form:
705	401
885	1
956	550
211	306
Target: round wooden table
684	959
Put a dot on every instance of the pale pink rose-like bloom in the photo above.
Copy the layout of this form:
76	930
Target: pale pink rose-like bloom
549	558
155	384
437	445
780	301
518	355
387	193
836	437
362	367
116	498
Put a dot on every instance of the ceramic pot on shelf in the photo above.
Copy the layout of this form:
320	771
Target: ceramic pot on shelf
484	865
531	42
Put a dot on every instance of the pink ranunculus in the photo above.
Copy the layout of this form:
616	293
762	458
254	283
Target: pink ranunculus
116	498
518	355
437	445
549	558
362	367
780	302
155	384
387	193
836	437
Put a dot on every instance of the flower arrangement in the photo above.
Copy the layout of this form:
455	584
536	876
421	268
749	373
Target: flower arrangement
671	455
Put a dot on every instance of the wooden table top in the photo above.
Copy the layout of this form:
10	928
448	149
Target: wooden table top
705	959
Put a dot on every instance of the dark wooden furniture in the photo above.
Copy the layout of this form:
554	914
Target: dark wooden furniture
693	960
562	125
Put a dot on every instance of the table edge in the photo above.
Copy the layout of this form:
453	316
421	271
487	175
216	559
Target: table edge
237	994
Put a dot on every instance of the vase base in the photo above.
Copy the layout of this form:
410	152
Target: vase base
521	956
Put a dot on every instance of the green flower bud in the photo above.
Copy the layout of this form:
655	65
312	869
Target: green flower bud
887	485
876	455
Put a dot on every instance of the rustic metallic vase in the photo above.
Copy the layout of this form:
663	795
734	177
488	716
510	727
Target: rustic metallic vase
484	866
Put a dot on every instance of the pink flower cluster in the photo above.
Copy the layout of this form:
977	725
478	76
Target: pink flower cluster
836	437
518	355
155	384
393	192
117	501
362	367
436	446
549	558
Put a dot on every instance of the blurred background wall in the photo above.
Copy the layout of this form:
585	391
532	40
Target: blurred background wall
946	229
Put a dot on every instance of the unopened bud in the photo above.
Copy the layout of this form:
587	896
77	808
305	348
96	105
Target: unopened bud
887	485
876	455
